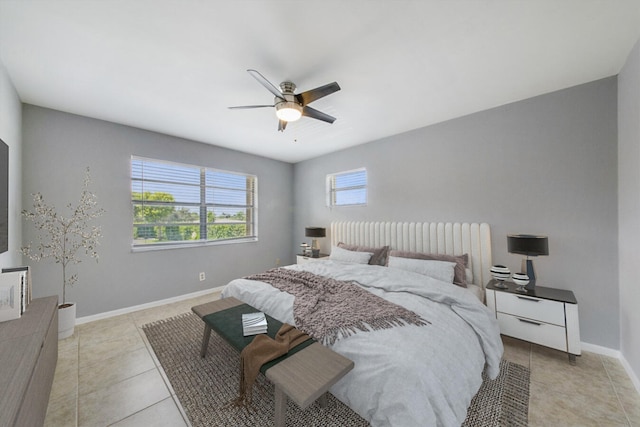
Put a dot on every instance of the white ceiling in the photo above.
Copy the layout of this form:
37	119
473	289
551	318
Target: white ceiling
175	66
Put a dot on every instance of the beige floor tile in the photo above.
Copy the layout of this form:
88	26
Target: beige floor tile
153	356
67	360
162	414
62	407
118	401
182	412
205	298
151	315
154	314
69	343
186	305
65	382
516	351
617	373
548	407
552	367
62	412
107	323
630	400
67	363
165	378
582	393
625	390
118	368
96	336
104	349
147	345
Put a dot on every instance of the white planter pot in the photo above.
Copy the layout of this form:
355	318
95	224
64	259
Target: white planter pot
66	320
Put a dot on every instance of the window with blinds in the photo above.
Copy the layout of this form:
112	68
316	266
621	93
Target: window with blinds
347	188
177	204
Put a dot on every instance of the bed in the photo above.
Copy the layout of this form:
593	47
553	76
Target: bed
412	374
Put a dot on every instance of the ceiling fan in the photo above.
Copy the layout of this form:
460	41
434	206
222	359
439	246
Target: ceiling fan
290	106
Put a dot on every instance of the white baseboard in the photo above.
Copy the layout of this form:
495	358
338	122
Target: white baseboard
113	313
605	351
632	375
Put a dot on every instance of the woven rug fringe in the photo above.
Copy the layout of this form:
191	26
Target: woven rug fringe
167	320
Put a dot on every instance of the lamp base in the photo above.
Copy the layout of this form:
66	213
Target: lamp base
315	249
527	267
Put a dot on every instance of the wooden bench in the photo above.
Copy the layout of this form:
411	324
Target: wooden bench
304	376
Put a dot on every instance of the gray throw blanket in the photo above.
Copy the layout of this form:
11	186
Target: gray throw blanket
329	309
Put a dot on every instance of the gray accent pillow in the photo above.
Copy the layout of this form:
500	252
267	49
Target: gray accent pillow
462	261
379	256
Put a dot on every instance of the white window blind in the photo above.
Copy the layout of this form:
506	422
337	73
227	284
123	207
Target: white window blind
347	188
177	204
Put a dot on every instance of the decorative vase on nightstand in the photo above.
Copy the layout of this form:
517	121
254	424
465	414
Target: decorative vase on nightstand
500	273
520	279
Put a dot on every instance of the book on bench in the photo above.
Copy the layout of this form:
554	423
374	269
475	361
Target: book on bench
254	323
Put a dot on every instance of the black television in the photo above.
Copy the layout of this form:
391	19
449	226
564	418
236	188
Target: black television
4	197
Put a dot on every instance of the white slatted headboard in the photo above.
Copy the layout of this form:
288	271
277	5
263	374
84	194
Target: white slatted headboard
430	237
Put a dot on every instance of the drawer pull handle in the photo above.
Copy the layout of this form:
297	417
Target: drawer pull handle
531	322
528	299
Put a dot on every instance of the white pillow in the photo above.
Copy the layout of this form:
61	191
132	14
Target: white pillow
343	255
469	274
441	270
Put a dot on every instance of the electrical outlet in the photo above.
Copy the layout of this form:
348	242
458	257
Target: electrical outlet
277	262
202	276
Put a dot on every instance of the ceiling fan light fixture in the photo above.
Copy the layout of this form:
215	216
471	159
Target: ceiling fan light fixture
288	111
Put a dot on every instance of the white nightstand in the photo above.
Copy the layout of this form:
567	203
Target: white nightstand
545	316
301	259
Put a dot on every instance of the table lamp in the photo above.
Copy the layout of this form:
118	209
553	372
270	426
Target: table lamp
315	233
530	246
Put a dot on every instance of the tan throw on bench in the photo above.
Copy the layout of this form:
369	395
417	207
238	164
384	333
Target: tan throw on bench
264	349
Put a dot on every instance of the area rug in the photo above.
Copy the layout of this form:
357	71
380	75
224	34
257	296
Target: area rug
206	386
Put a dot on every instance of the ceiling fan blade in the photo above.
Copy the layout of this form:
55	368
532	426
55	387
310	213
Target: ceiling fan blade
311	95
244	107
266	83
282	125
315	114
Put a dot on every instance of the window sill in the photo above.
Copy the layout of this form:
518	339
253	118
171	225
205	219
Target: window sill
168	246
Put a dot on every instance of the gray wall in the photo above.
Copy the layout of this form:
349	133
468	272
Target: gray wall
629	207
58	147
11	134
544	165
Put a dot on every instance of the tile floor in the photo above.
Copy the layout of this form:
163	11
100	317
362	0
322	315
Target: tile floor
107	375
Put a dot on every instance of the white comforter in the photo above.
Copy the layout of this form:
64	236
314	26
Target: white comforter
410	375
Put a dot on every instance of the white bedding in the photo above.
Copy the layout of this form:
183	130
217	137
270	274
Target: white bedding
410	375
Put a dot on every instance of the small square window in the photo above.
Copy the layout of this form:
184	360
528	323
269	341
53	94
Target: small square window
347	188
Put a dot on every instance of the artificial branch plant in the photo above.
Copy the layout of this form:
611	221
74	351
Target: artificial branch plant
64	237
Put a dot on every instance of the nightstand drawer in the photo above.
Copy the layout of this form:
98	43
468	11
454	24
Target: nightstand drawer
537	332
532	308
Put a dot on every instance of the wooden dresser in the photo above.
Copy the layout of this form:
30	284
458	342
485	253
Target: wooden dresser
28	358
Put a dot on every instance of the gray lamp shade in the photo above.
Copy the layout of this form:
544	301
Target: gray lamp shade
315	232
527	244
